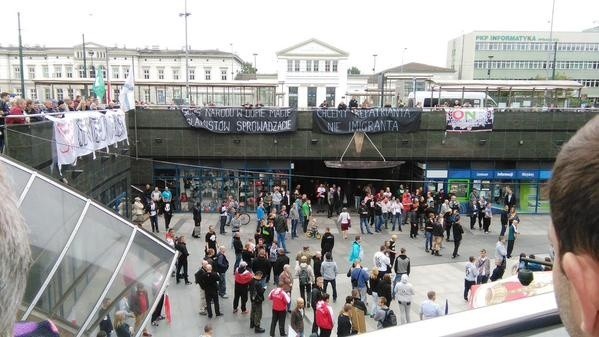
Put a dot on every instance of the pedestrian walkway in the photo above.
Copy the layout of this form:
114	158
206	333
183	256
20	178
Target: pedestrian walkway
442	274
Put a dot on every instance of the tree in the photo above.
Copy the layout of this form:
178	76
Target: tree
353	70
248	68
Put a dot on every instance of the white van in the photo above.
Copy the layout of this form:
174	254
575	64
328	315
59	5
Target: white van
474	98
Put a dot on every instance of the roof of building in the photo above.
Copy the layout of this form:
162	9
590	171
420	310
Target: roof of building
313	40
414	67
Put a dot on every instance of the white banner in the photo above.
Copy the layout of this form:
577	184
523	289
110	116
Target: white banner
81	133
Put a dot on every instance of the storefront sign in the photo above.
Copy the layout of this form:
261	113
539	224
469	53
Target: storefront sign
240	120
469	119
482	174
505	174
438	174
528	175
333	121
544	175
459	174
80	133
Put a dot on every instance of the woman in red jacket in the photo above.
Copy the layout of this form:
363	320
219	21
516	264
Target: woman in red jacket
17	110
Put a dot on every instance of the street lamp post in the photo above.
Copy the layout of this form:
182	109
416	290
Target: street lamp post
374	62
21	57
255	67
185	15
489	66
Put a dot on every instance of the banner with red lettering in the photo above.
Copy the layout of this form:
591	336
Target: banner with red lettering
469	119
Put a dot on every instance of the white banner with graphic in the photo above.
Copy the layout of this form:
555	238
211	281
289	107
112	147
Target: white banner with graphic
469	119
83	132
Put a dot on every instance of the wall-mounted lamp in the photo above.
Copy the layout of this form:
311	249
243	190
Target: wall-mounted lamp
482	141
521	142
158	140
314	140
276	141
404	142
443	141
236	141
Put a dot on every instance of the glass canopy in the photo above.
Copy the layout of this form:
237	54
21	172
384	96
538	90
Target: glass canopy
86	260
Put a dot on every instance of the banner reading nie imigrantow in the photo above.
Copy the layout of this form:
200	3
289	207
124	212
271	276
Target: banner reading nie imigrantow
241	120
334	121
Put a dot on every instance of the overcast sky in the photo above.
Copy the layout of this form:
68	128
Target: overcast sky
362	28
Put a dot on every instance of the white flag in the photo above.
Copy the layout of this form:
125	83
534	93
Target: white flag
127	97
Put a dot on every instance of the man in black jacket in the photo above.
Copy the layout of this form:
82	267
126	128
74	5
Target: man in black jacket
257	289
316	263
353	103
222	265
277	267
327	242
209	282
281	228
198	280
181	246
197	219
238	247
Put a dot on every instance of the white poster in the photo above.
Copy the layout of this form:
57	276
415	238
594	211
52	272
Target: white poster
83	132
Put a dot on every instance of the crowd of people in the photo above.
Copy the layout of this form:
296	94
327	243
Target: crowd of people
265	258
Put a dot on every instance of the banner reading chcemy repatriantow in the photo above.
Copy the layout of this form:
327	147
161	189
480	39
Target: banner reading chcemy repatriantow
469	119
241	120
376	120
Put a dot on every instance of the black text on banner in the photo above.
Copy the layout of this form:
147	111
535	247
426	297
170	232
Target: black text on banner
240	120
333	121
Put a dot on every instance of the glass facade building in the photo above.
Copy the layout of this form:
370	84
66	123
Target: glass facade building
86	260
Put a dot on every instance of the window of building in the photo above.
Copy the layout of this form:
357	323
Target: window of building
223	74
330	96
31	70
176	92
308	65
59	94
45	72
207	74
146	72
46	93
335	64
81	71
311	96
289	66
33	94
293	97
160	73
327	66
69	71
115	72
147	95
126	72
192	74
57	71
175	73
70	93
296	65
315	65
17	72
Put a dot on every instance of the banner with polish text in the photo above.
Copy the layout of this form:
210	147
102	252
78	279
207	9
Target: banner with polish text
377	120
469	119
83	132
242	120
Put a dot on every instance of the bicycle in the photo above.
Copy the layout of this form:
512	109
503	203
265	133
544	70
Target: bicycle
244	217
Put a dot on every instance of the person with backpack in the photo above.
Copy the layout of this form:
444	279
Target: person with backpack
359	280
222	265
305	275
384	316
257	288
324	317
280	300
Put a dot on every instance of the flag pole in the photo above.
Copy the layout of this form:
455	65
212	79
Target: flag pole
109	88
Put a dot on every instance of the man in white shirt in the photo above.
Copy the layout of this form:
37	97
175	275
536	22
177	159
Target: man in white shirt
500	259
320	194
381	261
428	308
